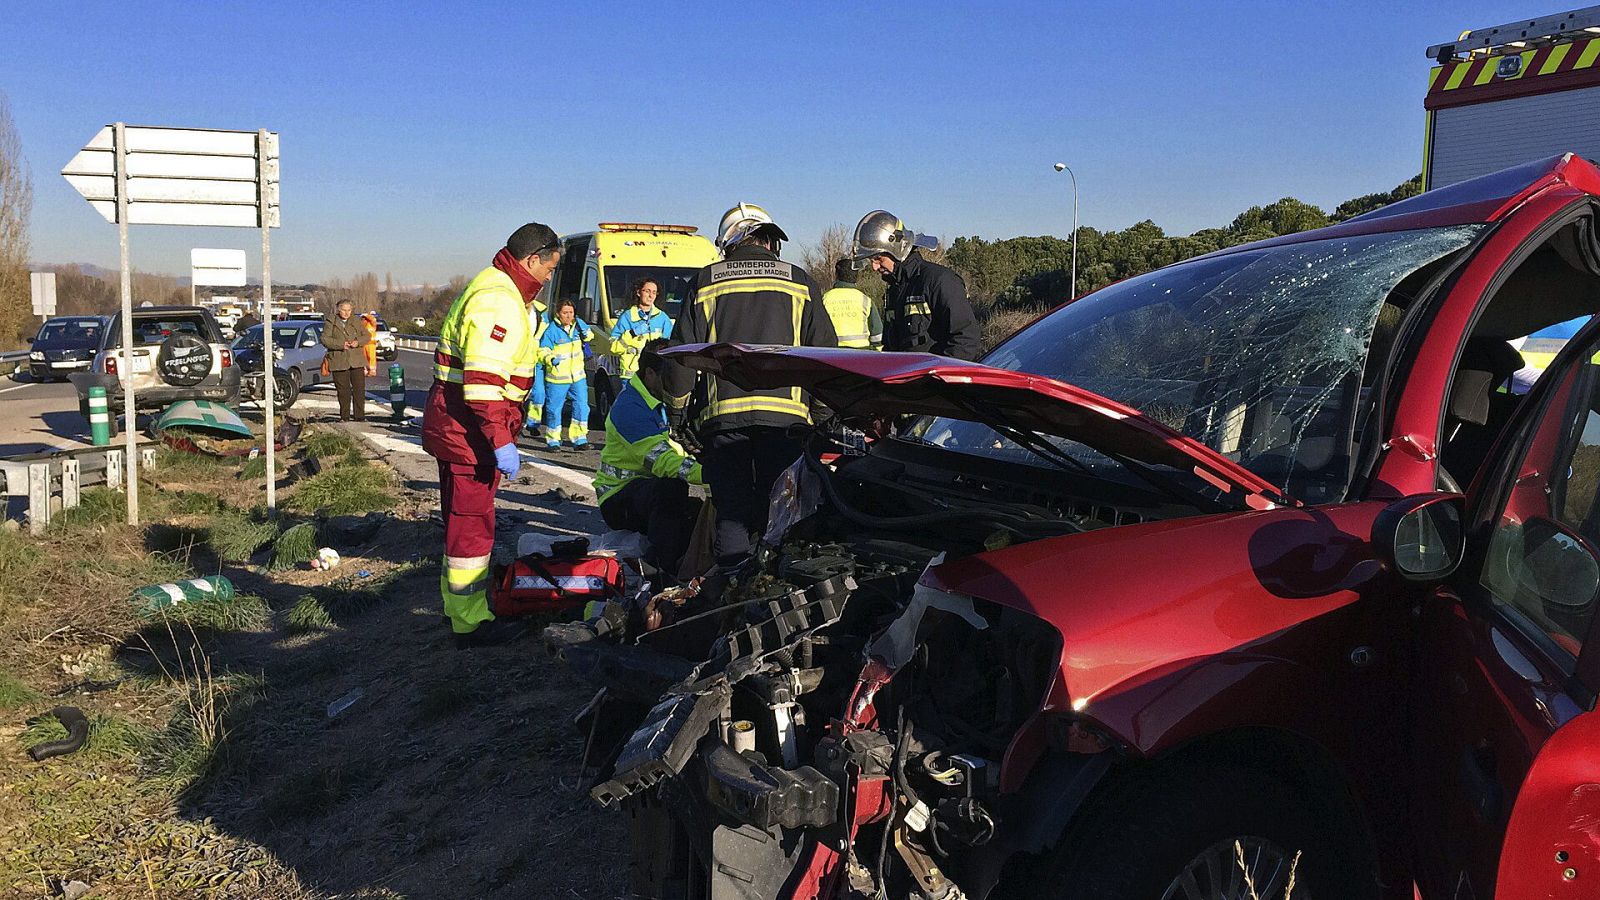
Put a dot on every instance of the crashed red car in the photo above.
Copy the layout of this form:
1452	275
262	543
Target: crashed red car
1267	562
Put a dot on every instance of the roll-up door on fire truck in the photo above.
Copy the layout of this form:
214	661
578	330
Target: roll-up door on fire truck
1469	141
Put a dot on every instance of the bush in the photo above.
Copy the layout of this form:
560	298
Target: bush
308	614
14	692
235	535
295	546
347	490
244	612
96	506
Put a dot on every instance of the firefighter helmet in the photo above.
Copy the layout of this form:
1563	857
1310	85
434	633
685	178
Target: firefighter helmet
742	222
881	233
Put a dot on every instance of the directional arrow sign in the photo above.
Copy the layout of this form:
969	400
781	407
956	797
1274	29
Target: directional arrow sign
182	176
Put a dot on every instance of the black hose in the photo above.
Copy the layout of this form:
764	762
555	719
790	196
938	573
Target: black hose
77	732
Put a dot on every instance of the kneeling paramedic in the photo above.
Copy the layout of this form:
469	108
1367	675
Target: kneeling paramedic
644	475
750	297
482	370
561	358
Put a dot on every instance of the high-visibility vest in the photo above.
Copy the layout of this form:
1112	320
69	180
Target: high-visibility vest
486	344
370	348
851	312
633	330
561	350
638	444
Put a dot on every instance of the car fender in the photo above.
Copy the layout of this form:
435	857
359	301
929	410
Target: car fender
1552	845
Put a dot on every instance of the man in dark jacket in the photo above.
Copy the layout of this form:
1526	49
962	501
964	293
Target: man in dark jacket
925	309
750	297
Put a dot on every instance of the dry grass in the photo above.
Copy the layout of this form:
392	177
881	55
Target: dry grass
345	490
1249	877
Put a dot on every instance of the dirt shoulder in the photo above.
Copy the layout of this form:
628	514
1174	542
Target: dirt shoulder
214	767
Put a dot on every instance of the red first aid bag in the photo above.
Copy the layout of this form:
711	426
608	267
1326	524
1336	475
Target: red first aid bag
536	584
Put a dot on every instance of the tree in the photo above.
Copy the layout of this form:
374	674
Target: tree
16	204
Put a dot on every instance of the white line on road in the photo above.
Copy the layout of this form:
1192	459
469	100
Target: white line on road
16	388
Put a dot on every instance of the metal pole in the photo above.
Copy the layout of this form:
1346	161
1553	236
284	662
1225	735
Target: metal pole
268	347
125	371
1063	167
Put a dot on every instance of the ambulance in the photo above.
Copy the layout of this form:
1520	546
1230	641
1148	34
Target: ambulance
596	271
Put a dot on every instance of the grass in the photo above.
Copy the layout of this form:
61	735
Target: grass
109	737
330	442
307	615
19	557
193	503
179	462
244	612
14	692
96	506
235	535
295	546
192	745
344	490
312	791
256	468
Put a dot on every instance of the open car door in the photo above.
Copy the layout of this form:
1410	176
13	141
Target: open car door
1506	750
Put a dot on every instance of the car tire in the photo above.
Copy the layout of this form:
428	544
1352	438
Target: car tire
1144	836
604	396
286	389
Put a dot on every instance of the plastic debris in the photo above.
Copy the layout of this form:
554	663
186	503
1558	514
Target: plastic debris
327	558
343	703
363	573
155	597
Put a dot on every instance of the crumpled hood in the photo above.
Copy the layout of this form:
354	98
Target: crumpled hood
858	383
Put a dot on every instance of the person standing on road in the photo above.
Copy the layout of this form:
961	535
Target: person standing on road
751	297
346	339
855	317
369	321
482	370
561	358
643	479
638	325
926	308
246	322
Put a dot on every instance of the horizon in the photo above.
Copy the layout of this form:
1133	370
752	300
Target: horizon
399	157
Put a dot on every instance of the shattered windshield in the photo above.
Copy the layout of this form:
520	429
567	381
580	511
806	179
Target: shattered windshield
1257	354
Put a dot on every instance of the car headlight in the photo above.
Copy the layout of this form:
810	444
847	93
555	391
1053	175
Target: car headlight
35	355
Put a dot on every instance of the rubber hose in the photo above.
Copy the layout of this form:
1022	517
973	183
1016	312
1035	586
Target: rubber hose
77	732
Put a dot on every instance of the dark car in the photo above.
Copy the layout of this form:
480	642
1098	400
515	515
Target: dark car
1257	564
64	344
178	354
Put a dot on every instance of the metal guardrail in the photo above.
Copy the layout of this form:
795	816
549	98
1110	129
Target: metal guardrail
416	341
14	356
42	477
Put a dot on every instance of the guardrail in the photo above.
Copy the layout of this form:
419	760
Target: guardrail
416	341
43	477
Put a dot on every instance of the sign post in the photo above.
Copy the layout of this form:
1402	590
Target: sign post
178	176
44	293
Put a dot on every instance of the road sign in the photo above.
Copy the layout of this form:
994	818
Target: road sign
216	268
44	292
181	176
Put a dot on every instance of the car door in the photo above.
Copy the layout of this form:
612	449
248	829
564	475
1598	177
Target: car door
312	351
1505	656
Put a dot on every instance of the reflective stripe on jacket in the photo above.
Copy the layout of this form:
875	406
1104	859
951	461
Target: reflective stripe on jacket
855	317
483	367
751	297
561	351
926	310
638	444
632	331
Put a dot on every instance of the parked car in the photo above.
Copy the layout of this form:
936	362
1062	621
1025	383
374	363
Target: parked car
64	344
297	346
384	339
1254	562
178	354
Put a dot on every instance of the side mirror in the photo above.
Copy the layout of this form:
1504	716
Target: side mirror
309	342
1421	538
29	340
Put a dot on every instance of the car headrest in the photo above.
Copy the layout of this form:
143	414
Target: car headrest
1492	355
1469	396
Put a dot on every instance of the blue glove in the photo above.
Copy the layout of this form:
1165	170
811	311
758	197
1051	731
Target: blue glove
507	459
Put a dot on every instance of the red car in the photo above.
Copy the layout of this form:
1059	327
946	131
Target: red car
1263	564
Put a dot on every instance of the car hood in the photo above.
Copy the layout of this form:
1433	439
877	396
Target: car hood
858	383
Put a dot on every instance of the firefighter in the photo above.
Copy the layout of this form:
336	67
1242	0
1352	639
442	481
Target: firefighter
561	357
644	476
855	317
482	370
638	325
926	308
752	297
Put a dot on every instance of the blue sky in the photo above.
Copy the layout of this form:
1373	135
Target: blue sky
417	136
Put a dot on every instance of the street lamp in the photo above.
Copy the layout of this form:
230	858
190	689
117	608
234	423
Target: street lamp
1073	290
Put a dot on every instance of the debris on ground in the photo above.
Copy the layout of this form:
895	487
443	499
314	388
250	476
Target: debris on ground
77	725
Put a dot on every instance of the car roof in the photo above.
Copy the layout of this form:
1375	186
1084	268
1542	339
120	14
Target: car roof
168	310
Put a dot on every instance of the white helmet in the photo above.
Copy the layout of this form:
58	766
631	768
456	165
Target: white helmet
743	221
881	233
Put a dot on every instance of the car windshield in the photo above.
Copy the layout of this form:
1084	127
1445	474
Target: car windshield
284	337
674	282
71	334
1257	354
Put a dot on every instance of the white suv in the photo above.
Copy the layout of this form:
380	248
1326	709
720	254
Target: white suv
178	354
385	340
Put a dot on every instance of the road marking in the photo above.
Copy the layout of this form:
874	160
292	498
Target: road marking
16	388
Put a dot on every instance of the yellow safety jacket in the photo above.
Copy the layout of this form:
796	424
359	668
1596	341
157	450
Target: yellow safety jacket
562	351
638	444
486	344
751	297
855	318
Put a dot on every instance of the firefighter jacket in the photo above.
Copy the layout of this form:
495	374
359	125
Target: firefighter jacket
926	311
482	369
633	330
638	444
751	297
855	317
561	351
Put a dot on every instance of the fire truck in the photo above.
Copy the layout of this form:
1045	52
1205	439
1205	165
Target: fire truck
1513	93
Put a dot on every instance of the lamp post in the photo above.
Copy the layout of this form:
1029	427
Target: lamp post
1073	290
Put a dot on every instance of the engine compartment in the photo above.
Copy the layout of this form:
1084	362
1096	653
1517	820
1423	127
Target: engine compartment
826	723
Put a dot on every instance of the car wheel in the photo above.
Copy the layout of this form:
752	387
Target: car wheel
1178	835
604	396
287	389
